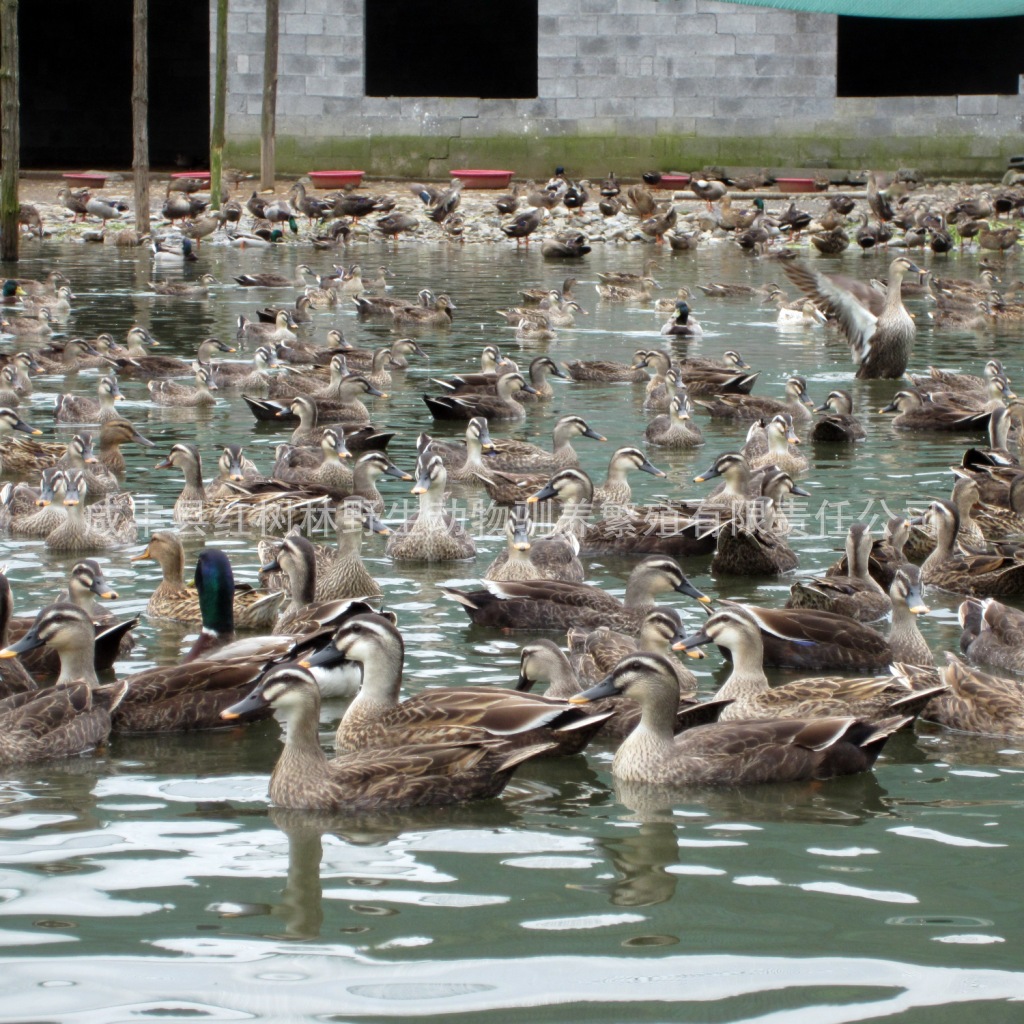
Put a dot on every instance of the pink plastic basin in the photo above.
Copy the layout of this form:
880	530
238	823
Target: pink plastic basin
674	181
92	180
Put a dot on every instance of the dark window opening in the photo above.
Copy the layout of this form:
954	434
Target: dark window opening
460	48
76	89
896	57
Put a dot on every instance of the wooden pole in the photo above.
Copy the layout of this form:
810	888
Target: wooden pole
220	89
140	114
268	121
10	140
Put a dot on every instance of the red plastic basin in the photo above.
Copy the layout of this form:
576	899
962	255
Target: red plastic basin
335	179
478	178
674	181
92	180
796	185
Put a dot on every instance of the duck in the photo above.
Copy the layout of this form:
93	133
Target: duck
198	289
37	512
907	644
594	653
857	595
880	344
440	315
977	575
752	698
339	571
606	371
616	490
502	405
432	534
681	325
462	462
780	437
555	557
36	325
113	434
56	722
181	396
815	640
993	634
174	601
675	429
544	604
106	524
269	279
149	367
977	701
838	425
543	662
512	456
295	558
753	542
915	411
300	465
360	359
82	409
418	775
80	456
485	383
176	698
378	719
970	537
887	554
745	407
730	753
524	224
640	292
358	436
258	333
271	506
167	252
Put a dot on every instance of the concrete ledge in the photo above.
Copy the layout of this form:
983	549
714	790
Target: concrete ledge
593	155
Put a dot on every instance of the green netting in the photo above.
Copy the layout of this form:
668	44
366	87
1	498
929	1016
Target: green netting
900	8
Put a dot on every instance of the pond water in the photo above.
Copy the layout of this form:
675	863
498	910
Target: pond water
153	879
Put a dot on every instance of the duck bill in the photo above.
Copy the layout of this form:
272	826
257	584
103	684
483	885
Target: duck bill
686	587
142	555
100	589
398	474
29	642
708	474
800	491
272	566
891	407
791	437
691	645
249	704
374	525
422	484
594	435
166	464
605	688
915	602
326	657
529	389
648	467
521	536
546	492
21	425
823	408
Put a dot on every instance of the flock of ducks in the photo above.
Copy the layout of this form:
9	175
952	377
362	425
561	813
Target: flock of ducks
314	625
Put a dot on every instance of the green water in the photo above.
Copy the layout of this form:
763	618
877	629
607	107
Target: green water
152	880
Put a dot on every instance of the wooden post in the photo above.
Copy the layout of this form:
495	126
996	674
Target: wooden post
10	112
220	89
140	114
268	120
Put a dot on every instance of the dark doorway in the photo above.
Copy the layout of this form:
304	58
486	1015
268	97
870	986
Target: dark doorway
492	50
895	57
76	84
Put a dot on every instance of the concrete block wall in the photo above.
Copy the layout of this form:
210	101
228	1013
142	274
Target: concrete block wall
697	80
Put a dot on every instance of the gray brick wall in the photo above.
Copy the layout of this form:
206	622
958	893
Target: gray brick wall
626	68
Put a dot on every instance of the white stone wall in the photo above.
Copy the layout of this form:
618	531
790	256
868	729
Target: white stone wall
631	68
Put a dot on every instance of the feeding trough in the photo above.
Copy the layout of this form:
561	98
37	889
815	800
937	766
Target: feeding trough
336	179
674	181
479	178
83	178
796	185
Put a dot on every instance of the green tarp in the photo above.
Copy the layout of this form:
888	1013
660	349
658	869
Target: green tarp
900	8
